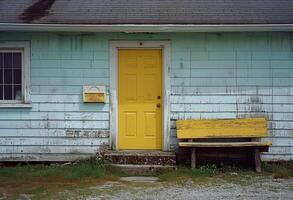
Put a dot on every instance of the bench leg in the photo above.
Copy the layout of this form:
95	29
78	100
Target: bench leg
257	161
193	158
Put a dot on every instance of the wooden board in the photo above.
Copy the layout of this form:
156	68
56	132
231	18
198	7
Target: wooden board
222	128
224	144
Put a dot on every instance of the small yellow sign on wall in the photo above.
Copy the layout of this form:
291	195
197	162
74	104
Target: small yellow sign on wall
94	94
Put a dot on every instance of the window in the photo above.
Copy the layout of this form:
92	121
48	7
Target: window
14	73
10	75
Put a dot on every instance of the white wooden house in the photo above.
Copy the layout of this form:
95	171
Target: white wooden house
146	64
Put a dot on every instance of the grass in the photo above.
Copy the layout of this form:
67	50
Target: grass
92	169
230	174
279	170
183	172
46	181
70	172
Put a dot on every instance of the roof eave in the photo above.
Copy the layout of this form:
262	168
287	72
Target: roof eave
129	28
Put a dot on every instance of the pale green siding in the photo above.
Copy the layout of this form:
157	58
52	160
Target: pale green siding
213	75
232	75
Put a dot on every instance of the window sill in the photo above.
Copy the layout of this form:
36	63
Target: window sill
15	105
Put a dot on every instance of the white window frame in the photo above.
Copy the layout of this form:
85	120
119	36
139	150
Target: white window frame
166	48
24	48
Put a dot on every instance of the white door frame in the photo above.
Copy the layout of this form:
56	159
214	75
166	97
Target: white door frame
166	49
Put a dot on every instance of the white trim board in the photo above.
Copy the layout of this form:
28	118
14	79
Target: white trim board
166	49
25	48
132	28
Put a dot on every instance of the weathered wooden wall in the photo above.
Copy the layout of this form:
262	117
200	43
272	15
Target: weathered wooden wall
236	75
213	75
59	126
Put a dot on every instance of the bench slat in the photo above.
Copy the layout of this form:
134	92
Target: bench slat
222	128
224	144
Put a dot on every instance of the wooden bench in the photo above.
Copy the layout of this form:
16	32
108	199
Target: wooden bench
224	133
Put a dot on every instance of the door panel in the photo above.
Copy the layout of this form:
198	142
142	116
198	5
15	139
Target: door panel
139	99
130	124
150	124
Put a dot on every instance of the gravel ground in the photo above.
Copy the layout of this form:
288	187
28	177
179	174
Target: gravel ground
260	188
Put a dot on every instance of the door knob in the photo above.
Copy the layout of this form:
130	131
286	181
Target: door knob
158	105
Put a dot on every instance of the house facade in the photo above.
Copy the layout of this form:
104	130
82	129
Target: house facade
153	74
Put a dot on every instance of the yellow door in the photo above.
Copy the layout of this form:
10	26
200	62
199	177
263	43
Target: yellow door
139	99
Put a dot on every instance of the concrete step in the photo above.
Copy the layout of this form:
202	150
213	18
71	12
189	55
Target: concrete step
135	157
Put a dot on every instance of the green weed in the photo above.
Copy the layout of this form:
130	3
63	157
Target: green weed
279	170
185	172
83	169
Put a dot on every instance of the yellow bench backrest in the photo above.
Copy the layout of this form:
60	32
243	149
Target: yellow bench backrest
222	128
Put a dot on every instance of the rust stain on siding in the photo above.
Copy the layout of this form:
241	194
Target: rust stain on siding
37	10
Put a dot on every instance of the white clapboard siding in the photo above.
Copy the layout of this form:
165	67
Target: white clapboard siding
233	77
68	81
212	75
39	157
276	156
56	133
59	99
279	133
59	126
53	141
39	149
61	115
67	72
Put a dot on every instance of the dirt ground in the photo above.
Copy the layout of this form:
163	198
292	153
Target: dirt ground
261	187
179	184
265	188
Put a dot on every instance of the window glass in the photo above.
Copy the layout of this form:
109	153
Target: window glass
10	75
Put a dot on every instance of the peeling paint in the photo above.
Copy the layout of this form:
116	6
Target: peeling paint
255	99
76	133
205	86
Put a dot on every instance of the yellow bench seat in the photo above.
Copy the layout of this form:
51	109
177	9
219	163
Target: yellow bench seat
221	128
224	144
